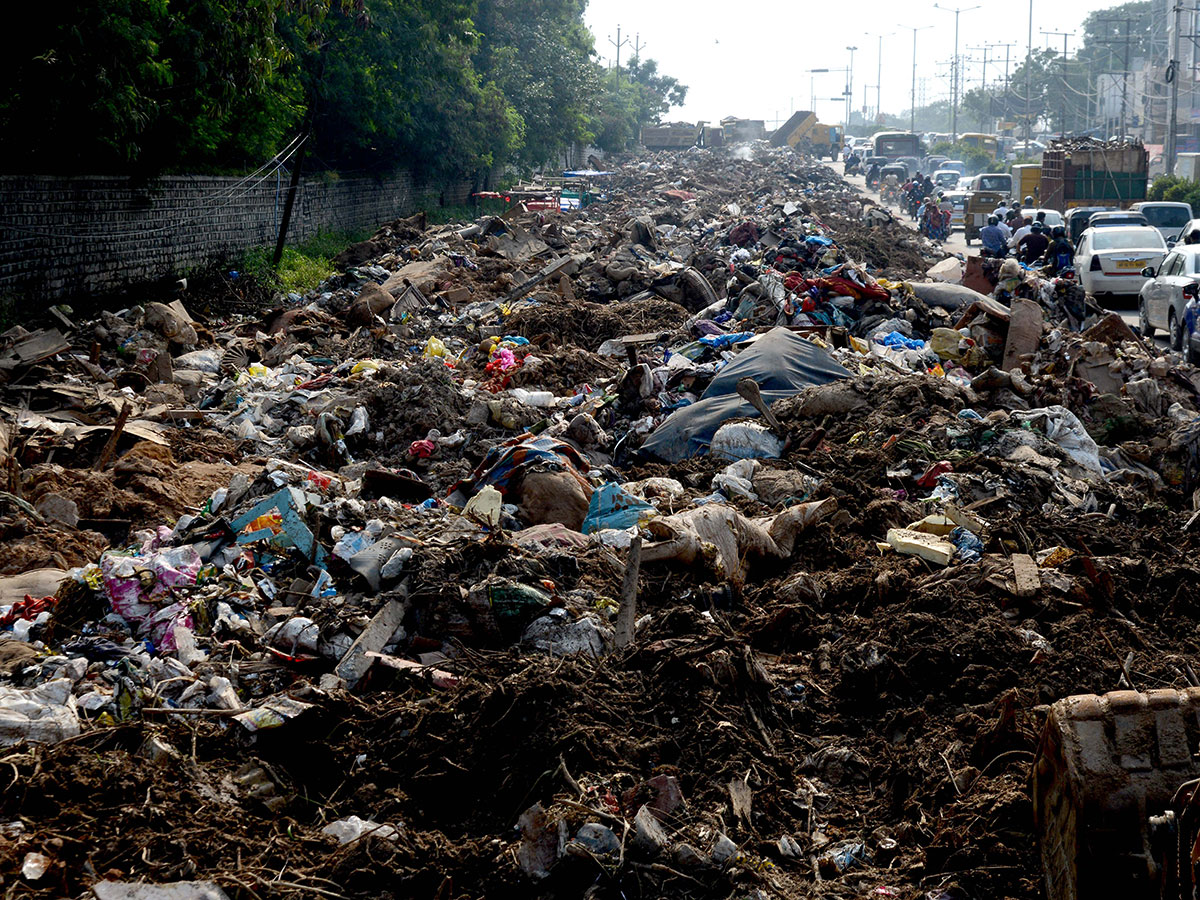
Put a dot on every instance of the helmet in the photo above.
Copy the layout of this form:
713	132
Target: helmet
1029	201
1036	227
993	220
1059	231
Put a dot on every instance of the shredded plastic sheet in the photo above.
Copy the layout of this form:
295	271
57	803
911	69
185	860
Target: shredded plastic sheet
781	362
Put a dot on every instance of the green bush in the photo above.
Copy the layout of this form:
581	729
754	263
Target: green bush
1175	189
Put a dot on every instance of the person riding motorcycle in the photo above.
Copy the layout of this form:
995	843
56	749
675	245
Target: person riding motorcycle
992	238
889	191
1060	254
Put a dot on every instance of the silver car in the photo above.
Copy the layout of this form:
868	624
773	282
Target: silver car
1161	303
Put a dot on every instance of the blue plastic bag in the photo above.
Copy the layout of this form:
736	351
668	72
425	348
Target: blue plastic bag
611	507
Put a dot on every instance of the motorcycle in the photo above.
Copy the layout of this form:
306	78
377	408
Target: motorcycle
890	194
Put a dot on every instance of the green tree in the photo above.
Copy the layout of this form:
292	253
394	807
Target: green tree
540	55
142	85
634	98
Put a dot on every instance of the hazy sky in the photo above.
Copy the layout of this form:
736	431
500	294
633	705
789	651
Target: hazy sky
750	58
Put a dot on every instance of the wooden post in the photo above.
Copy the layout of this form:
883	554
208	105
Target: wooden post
110	445
627	613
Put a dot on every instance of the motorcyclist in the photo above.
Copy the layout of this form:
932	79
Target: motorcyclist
992	238
852	163
1032	246
873	176
1060	254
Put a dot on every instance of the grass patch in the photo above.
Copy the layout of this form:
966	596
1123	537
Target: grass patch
301	267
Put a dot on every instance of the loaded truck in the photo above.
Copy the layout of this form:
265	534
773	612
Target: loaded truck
1094	173
804	133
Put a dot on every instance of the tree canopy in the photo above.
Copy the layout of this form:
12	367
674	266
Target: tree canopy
441	87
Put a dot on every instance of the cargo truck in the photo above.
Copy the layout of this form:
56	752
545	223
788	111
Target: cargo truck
1095	173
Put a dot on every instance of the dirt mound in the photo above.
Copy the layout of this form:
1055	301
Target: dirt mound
588	324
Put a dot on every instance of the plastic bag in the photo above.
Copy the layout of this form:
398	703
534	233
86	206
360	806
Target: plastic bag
611	507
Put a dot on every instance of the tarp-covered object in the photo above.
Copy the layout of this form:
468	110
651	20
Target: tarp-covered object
781	362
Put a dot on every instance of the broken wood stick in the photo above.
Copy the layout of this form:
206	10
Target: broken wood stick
748	389
110	445
627	613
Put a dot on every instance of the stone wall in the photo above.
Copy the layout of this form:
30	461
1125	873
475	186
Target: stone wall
62	237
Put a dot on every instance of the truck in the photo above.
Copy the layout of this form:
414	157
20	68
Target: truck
673	136
1094	173
1187	165
1027	182
804	133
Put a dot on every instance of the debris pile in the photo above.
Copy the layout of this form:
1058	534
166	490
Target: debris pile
690	543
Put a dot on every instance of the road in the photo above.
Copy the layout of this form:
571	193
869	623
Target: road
1126	306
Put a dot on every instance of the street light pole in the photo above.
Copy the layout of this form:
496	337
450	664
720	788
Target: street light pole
850	87
879	73
912	124
954	83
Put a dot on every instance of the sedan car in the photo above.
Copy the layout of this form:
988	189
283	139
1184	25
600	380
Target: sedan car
1161	303
1110	260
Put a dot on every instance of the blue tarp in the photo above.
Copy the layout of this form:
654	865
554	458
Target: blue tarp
781	362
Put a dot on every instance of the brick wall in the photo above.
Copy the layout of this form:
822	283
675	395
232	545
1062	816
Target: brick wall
62	237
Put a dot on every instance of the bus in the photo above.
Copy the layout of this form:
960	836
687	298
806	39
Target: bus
988	143
894	144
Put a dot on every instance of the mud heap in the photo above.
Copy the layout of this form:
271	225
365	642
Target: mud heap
691	543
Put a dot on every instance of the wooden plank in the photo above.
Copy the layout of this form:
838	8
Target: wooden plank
1024	333
1025	574
40	345
374	638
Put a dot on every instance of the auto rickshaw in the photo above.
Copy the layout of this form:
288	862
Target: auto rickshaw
980	205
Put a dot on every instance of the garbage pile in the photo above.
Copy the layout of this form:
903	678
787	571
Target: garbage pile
693	542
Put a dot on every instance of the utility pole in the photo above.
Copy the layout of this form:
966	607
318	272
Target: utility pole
954	84
618	43
850	87
1029	77
879	73
1065	35
1124	69
912	126
1173	77
1007	60
983	80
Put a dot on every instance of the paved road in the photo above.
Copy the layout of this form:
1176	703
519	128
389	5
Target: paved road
1126	306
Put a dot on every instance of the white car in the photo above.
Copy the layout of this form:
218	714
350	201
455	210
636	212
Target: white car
1169	217
1110	260
1161	303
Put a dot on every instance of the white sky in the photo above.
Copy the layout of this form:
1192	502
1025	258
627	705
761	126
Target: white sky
750	58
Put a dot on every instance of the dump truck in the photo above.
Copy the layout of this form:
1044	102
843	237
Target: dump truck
804	133
1116	795
675	136
1094	173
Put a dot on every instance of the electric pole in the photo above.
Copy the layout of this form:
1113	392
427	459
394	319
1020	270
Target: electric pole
982	79
1173	77
850	87
954	83
618	43
1124	70
913	97
1029	77
1065	35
